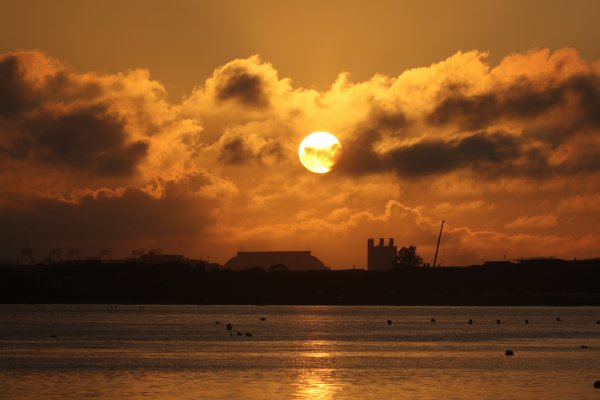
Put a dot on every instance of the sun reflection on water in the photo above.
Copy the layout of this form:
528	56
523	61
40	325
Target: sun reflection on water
317	380
316	384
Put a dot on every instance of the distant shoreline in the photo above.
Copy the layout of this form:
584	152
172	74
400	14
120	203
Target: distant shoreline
570	284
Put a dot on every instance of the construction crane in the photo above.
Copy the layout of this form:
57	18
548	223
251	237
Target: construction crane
438	244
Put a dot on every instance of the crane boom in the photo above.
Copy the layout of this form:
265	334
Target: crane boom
438	244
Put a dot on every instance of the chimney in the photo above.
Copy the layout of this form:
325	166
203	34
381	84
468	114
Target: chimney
391	242
380	242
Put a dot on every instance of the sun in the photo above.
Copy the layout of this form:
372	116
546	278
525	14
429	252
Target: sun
319	152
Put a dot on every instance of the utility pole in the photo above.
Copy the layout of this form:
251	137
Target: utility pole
438	244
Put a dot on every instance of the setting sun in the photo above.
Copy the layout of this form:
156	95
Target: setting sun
319	152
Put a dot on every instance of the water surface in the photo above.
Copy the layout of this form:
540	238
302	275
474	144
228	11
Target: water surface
298	352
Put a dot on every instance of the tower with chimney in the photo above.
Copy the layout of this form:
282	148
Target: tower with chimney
381	257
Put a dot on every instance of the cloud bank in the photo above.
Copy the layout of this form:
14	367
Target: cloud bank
507	154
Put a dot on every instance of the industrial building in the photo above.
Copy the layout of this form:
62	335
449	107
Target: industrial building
381	257
292	260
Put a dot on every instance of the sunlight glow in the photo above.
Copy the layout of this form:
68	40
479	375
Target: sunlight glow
319	152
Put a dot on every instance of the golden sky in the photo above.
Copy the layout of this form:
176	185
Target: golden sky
176	125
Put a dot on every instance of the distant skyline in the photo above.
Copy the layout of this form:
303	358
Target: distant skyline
176	126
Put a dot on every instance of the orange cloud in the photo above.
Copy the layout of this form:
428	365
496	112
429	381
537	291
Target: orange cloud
508	155
536	221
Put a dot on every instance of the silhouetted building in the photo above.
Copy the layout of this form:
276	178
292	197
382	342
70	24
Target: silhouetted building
153	258
543	261
156	257
381	257
498	263
292	260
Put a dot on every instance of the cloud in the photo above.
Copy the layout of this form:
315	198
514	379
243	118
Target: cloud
86	124
87	140
536	221
176	216
243	86
238	148
508	155
503	123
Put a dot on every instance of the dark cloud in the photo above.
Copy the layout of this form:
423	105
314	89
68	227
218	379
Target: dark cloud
486	154
478	151
89	140
429	157
272	150
393	122
237	151
550	113
86	141
105	217
587	87
477	112
359	156
44	121
234	151
18	94
524	99
15	94
247	88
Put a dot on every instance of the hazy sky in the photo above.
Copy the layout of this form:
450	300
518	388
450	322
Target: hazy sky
311	42
176	125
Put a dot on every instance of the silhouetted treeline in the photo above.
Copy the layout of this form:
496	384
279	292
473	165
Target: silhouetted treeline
567	283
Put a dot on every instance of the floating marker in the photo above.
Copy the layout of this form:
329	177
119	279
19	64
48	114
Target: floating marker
470	322
526	321
389	321
432	319
583	346
248	334
597	385
558	319
239	333
509	353
263	319
498	321
229	327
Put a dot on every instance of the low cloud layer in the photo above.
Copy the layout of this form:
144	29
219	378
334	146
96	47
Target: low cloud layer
508	155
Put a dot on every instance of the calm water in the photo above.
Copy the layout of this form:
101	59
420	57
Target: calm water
298	352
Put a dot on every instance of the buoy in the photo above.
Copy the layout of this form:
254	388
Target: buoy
217	322
53	336
470	322
389	321
509	353
597	385
558	319
239	333
526	321
229	327
498	321
432	319
583	346
248	334
598	322
263	319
